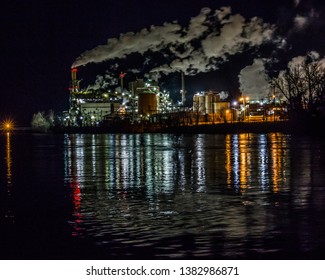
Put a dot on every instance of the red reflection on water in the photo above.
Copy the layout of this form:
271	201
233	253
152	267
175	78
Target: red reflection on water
73	176
76	199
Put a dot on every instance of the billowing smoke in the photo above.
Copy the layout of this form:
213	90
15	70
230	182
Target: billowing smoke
254	80
103	82
208	40
311	56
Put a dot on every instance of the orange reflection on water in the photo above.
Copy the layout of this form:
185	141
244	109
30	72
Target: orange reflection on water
263	156
278	156
8	161
9	213
228	164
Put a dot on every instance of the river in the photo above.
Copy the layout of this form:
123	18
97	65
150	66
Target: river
162	196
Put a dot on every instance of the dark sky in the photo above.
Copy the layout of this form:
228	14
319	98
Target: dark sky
40	40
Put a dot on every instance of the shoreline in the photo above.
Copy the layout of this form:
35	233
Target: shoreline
288	127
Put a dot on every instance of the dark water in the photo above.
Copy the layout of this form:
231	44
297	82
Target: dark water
242	196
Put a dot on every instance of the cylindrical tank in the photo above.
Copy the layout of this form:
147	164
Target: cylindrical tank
147	103
209	98
202	103
220	107
196	103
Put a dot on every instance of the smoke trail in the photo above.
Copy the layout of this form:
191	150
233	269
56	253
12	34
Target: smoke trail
208	40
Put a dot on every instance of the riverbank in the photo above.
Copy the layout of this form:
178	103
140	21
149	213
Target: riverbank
289	127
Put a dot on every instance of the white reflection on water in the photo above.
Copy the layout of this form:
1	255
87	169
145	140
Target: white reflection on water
143	190
263	160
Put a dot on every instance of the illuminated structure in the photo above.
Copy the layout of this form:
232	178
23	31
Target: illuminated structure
90	108
211	105
142	100
87	108
258	110
245	106
147	97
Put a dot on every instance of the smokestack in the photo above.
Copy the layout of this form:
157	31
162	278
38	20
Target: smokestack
122	81
74	74
183	89
74	82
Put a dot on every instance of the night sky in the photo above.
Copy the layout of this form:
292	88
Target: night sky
41	40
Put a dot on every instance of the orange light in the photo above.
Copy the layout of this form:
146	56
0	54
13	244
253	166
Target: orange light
7	125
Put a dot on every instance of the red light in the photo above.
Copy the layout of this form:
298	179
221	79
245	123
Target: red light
122	75
74	70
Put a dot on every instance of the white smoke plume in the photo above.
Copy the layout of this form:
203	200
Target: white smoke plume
209	39
103	82
254	80
311	56
300	21
223	95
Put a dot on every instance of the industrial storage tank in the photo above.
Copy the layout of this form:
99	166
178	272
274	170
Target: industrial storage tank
147	104
199	103
221	107
209	100
196	99
202	103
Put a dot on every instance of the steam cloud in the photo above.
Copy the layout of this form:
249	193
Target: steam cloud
208	40
254	80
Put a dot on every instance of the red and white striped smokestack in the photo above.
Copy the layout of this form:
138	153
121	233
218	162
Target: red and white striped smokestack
74	82
74	74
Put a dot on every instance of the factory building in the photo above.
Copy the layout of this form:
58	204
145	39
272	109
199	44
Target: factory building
211	106
87	108
90	108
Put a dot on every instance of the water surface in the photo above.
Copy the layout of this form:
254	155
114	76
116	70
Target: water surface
84	196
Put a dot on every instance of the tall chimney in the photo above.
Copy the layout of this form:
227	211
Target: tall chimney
74	82
183	89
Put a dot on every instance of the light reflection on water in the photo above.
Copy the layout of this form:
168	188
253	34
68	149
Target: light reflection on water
162	196
9	215
195	195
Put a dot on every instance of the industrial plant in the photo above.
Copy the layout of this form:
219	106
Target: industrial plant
144	107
